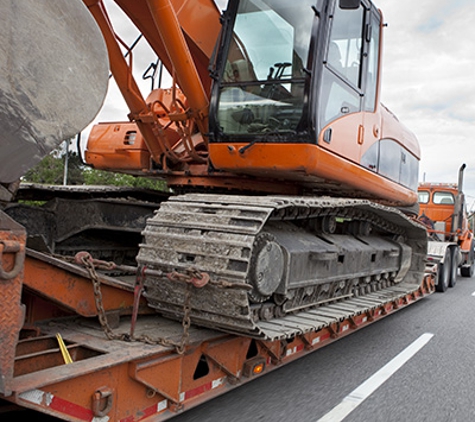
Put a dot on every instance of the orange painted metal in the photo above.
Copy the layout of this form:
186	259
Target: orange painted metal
309	164
72	290
131	382
354	134
169	28
109	147
12	253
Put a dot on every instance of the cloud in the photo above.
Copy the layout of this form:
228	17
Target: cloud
427	81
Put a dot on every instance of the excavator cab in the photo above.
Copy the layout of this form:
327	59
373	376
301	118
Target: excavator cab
296	97
316	71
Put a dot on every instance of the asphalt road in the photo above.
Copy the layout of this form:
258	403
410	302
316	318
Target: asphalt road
436	384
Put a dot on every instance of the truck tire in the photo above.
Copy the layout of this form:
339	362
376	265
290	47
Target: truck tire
453	267
443	273
468	270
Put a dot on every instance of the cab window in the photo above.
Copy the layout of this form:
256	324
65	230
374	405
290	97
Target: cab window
262	90
346	44
341	92
373	64
443	198
423	197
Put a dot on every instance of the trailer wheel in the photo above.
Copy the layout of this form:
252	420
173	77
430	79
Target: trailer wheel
443	273
468	270
453	266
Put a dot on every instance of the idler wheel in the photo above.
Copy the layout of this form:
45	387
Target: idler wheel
267	268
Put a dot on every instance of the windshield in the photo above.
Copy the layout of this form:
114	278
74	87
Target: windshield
443	198
423	197
263	81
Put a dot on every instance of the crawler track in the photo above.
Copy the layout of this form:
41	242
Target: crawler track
302	260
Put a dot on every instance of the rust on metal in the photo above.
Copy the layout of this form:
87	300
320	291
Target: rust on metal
12	312
72	286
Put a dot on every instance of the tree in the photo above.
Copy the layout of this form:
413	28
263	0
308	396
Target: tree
51	171
101	177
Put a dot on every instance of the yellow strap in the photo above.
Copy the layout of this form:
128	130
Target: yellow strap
64	350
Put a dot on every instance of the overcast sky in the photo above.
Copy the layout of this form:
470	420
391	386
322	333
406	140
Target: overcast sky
428	80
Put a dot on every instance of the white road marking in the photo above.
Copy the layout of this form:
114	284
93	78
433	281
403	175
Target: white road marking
473	294
361	393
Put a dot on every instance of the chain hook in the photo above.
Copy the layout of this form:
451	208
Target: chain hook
191	276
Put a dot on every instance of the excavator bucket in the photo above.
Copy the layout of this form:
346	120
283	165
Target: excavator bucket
53	78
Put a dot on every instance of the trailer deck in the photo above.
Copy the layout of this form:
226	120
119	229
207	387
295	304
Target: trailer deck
147	380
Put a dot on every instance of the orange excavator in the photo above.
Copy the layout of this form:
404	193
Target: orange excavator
290	221
290	169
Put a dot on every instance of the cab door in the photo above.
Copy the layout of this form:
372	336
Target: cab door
372	120
344	77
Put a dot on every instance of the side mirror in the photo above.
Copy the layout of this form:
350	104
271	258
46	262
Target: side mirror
349	4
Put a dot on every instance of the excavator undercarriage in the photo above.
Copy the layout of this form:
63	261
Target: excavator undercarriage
277	264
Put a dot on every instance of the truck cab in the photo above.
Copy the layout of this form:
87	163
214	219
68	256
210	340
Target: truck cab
437	203
443	211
